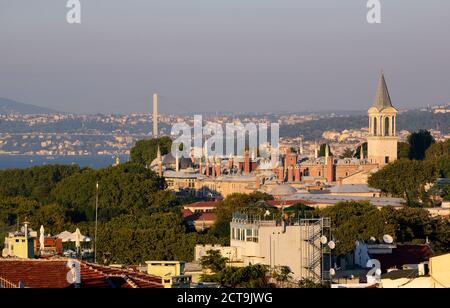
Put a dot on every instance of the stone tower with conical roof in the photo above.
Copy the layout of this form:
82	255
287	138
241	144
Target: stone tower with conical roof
382	140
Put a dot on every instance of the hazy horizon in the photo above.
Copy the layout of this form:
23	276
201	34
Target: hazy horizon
226	56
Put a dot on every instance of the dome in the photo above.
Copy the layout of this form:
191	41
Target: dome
282	190
170	161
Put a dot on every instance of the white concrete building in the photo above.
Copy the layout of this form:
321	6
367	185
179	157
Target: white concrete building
276	244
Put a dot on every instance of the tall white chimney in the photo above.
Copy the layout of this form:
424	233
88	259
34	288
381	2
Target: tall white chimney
155	115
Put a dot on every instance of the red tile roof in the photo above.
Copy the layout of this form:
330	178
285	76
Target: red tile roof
52	274
186	213
202	204
206	217
404	254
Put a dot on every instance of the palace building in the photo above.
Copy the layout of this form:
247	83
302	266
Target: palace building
219	177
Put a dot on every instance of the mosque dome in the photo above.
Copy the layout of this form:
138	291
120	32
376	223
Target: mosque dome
282	190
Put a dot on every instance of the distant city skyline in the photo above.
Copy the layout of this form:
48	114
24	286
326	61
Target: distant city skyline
226	56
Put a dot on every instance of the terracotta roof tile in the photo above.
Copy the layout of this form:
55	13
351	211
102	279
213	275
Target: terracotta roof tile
52	274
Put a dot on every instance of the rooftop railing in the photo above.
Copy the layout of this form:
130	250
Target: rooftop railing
5	284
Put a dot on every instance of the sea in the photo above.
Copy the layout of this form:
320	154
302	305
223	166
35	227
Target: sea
91	161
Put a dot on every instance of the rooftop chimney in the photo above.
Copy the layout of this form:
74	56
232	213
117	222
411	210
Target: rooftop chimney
246	163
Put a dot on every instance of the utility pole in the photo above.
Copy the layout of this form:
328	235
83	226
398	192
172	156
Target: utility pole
96	222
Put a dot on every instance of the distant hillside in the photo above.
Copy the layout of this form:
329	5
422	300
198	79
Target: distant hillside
8	106
411	121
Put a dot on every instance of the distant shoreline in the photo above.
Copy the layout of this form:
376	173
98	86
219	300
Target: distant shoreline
22	161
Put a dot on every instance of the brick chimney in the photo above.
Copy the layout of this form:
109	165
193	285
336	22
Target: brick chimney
218	168
290	174
281	174
230	162
207	167
246	163
298	178
330	169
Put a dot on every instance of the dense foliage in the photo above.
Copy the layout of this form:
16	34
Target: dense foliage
352	221
34	183
411	179
138	219
252	276
419	142
236	203
145	151
405	179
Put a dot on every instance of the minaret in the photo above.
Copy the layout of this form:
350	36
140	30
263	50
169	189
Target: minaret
155	115
160	165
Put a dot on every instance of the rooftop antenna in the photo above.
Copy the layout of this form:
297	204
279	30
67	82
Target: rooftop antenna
96	222
388	239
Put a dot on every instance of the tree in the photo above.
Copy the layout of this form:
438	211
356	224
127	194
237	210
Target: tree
415	225
354	221
145	151
348	153
282	275
130	239
438	150
403	150
36	182
405	179
310	284
235	203
439	155
214	261
253	276
365	150
419	142
322	150
126	189
441	190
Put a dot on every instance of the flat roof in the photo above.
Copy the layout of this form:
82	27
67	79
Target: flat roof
333	199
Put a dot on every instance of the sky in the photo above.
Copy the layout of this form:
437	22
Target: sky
223	55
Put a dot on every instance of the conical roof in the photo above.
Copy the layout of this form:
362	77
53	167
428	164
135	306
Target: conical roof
382	98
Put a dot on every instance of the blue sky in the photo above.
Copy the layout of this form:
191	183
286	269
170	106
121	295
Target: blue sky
217	55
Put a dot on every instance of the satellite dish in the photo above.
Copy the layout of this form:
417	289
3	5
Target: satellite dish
332	272
332	245
388	239
323	240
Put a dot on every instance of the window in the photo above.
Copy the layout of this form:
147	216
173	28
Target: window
386	159
386	127
375	128
252	235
